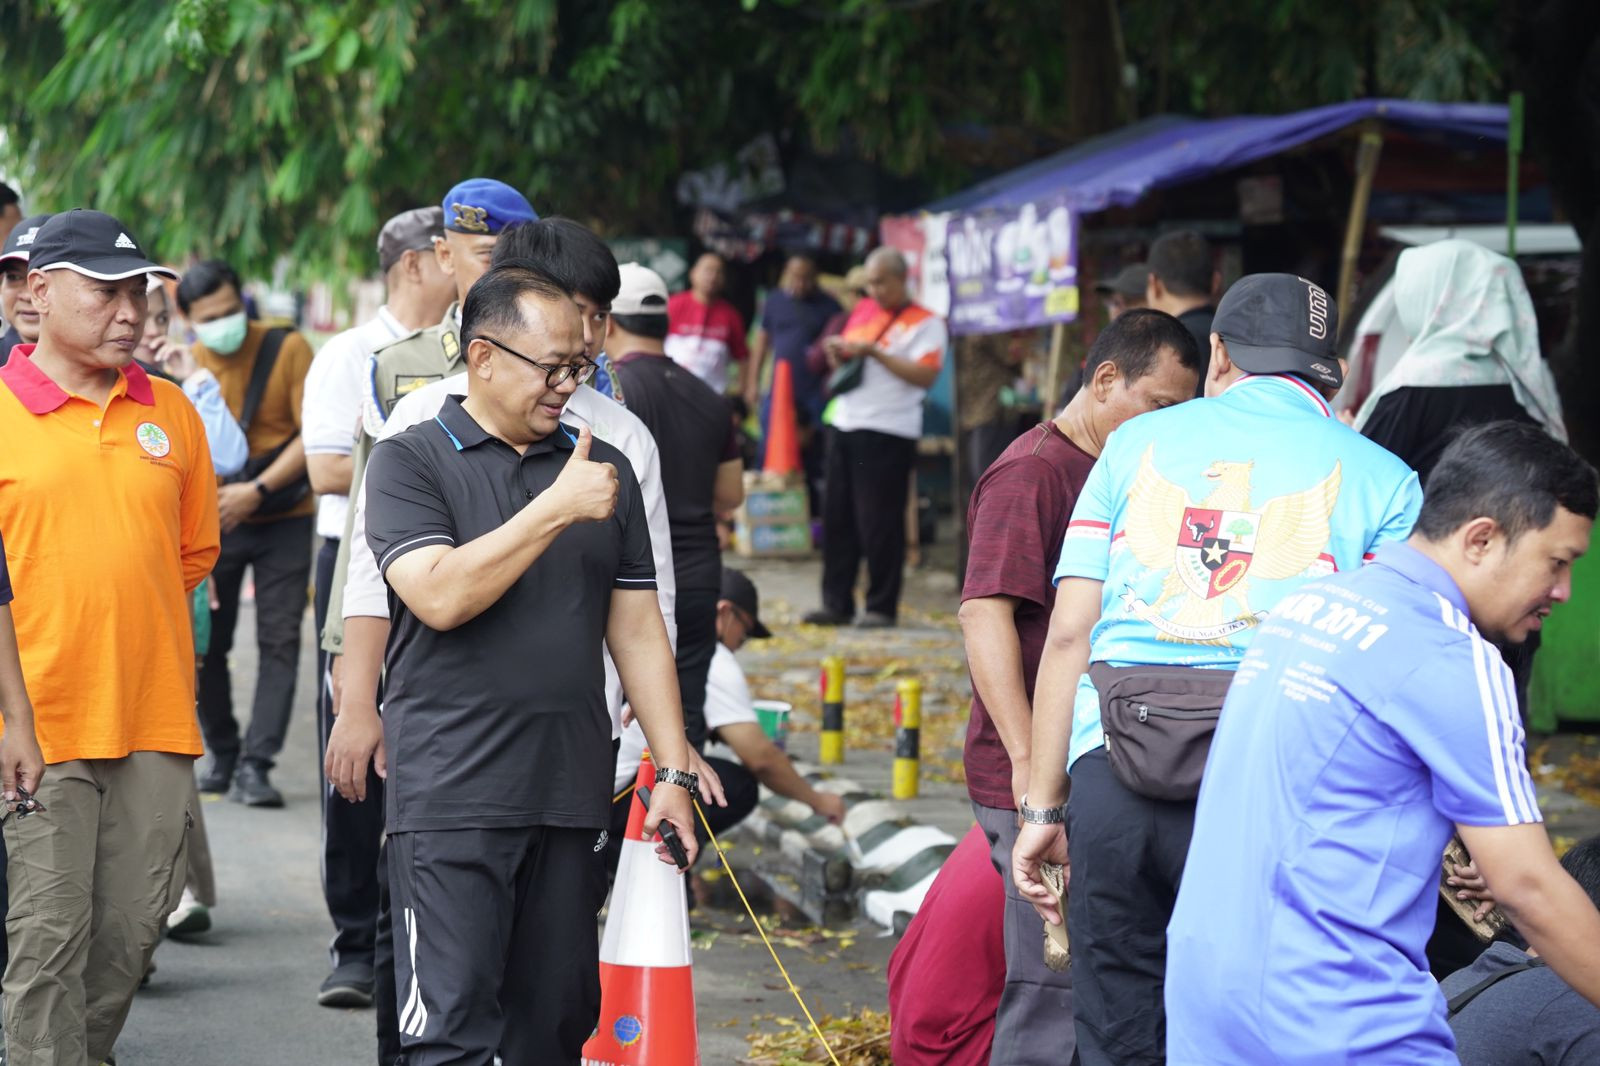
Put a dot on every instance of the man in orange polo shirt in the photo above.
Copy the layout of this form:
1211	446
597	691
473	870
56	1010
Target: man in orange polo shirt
109	505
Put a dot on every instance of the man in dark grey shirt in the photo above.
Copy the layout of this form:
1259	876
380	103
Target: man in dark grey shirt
512	546
1180	282
701	475
1509	1009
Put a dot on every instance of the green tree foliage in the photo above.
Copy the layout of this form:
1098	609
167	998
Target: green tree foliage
256	129
888	78
1281	55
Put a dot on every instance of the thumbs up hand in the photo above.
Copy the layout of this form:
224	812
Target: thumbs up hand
587	490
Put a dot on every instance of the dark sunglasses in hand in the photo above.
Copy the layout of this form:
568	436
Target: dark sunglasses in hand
554	374
26	804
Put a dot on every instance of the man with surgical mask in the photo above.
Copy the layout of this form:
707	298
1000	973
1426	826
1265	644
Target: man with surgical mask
266	514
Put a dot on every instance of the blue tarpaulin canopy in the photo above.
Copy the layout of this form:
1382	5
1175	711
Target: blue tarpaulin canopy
1116	170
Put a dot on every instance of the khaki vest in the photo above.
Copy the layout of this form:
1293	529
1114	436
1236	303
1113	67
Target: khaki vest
397	369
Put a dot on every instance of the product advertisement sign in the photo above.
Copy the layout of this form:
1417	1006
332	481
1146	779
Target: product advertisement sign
993	270
1012	269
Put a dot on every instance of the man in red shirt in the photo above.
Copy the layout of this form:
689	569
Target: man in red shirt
1016	521
704	333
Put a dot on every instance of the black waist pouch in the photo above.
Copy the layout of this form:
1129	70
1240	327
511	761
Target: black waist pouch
1158	722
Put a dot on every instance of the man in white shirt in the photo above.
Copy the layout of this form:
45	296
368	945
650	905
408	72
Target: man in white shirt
742	753
418	294
898	346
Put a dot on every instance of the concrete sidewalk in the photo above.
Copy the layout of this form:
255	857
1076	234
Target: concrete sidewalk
927	646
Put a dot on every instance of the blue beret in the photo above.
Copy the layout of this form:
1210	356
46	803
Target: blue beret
483	205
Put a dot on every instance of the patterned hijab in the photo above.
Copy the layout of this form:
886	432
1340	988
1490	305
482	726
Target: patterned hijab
1471	322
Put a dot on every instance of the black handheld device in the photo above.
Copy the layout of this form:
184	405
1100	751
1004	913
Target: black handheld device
669	833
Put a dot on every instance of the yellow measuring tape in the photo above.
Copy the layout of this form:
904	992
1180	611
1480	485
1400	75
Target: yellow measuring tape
815	1028
794	991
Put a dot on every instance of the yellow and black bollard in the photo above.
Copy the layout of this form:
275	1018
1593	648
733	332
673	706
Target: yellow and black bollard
907	738
832	746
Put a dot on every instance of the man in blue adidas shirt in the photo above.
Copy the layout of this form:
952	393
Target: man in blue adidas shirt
1195	522
1371	718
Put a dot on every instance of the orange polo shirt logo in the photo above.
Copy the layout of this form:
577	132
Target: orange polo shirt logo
153	439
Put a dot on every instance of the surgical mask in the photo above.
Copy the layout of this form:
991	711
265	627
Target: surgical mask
224	335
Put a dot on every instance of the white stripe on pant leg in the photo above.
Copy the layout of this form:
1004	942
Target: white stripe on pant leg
415	1016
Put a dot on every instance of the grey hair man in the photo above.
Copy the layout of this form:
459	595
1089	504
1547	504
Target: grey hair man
884	363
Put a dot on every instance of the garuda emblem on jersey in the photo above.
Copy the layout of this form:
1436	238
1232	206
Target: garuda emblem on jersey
1214	548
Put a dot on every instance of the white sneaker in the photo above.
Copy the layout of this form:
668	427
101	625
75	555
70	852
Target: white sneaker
190	919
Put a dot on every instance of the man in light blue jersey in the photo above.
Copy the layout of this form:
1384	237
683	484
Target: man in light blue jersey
1195	522
1373	717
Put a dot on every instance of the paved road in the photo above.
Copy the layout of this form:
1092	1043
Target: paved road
246	996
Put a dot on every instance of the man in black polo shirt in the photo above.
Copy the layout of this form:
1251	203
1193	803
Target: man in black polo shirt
510	555
701	473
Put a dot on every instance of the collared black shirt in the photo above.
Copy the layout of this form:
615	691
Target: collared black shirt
502	721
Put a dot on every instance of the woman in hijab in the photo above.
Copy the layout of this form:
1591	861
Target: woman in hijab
1474	358
1474	354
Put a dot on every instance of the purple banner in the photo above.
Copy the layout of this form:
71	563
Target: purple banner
1008	268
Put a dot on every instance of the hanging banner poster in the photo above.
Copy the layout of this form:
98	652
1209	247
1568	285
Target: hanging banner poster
1012	268
905	233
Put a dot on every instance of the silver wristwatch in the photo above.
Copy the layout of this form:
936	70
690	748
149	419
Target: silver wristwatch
1042	816
680	778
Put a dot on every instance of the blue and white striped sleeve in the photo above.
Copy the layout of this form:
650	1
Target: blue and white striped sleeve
1458	713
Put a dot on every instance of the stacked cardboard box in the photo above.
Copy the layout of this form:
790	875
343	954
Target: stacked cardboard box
775	518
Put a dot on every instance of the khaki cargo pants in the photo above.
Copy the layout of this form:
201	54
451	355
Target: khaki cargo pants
92	879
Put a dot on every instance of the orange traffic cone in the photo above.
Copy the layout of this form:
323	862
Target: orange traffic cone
783	435
646	978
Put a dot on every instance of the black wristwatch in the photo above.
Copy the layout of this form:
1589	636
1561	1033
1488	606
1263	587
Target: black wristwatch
262	488
680	778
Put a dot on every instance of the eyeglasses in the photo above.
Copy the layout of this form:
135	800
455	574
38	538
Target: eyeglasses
553	375
26	804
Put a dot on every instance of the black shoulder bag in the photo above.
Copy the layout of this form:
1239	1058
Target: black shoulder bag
290	495
848	375
1459	1001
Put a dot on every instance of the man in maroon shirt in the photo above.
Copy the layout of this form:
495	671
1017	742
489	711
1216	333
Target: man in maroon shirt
1018	515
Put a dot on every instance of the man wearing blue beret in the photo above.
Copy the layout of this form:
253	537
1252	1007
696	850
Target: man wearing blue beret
476	211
